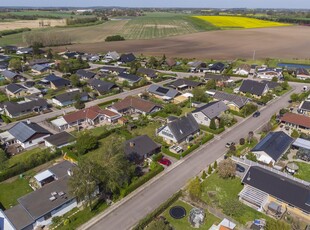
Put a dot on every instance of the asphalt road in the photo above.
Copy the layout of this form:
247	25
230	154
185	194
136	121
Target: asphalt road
129	211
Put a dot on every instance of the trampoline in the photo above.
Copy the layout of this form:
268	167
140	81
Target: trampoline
177	212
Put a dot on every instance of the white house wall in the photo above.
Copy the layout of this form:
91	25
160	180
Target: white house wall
201	118
263	157
7	223
166	137
35	142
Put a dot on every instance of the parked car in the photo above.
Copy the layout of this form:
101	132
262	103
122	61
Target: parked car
228	144
256	114
164	161
239	168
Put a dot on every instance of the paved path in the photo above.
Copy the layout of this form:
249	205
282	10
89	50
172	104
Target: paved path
127	212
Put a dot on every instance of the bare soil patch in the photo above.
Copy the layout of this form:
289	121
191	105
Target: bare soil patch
278	42
31	24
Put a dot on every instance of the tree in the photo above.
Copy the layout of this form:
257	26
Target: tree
79	104
3	160
209	170
153	63
85	142
227	119
75	80
142	82
233	207
200	95
49	54
211	84
159	224
242	141
294	97
248	109
215	165
212	124
285	85
125	84
250	136
295	133
276	225
36	48
222	123
274	79
173	109
227	169
83	183
15	64
203	175
194	189
267	127
251	156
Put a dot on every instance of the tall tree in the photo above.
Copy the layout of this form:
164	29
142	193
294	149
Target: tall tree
85	142
3	159
75	80
159	224
227	169
15	64
212	124
194	188
200	95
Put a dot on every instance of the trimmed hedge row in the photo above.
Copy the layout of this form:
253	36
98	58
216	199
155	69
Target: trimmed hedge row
217	131
166	151
148	219
140	181
193	147
16	31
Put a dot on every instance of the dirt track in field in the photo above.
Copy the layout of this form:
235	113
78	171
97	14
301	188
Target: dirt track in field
276	42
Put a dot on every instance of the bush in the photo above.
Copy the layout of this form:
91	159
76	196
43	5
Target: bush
167	152
216	131
203	175
209	170
16	31
215	165
242	141
114	38
76	21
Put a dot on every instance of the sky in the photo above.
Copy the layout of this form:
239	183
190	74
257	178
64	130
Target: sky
305	4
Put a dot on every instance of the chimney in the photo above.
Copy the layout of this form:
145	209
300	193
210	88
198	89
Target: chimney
28	121
131	144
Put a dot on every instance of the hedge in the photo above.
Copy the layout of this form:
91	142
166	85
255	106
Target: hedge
140	181
204	140
233	112
216	131
148	219
166	151
16	31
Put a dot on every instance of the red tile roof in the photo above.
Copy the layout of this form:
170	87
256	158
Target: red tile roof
136	103
89	113
296	119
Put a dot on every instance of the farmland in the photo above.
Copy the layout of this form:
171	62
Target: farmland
30	24
231	22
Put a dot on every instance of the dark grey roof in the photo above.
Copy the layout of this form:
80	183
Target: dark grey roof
70	96
15	88
274	144
216	77
218	66
101	86
60	170
162	91
183	127
236	99
85	74
279	186
25	49
60	139
302	71
188	83
19	217
39	67
129	77
212	109
126	58
39	61
305	105
16	108
271	84
113	69
149	72
9	74
38	203
253	87
60	82
23	131
142	145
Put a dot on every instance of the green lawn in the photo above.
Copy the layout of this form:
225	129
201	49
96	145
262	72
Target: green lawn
183	224
148	130
11	191
23	156
216	191
304	171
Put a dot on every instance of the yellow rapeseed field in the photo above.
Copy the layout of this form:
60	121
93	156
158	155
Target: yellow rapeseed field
239	22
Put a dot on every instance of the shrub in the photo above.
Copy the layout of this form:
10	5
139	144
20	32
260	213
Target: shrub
227	169
203	175
215	165
114	38
209	169
212	124
16	31
242	141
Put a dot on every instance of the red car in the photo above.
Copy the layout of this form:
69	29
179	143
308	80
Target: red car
164	161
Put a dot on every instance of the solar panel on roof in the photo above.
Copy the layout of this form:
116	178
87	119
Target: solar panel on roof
162	90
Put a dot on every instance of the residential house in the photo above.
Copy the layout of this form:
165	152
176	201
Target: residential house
266	189
3	66
220	80
26	134
24	50
271	84
127	58
91	57
139	148
11	76
112	70
302	74
90	116
183	84
217	68
10	49
37	209
254	88
170	62
197	66
39	69
253	71
304	108
16	90
56	82
130	105
296	121
130	78
149	74
42	61
161	92
59	140
111	56
179	130
23	108
102	87
301	143
272	147
206	113
69	55
84	74
4	58
233	101
243	70
269	73
69	98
